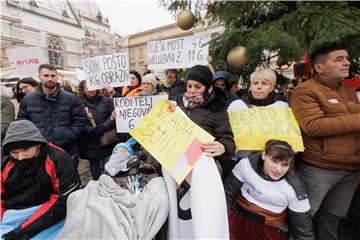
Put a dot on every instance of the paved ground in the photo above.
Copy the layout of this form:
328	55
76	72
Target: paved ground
84	172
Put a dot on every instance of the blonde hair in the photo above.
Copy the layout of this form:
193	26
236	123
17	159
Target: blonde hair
264	74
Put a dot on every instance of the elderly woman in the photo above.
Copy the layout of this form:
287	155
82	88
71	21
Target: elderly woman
25	86
148	85
206	106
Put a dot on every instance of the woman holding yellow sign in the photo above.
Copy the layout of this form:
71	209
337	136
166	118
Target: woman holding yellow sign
260	94
190	217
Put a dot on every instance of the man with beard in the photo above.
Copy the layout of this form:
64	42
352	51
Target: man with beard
57	113
173	86
36	180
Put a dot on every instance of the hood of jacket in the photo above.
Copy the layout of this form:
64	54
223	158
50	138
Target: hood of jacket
22	130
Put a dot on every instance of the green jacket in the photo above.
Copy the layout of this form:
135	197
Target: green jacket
7	115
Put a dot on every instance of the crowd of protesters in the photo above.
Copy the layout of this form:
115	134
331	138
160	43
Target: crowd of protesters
298	195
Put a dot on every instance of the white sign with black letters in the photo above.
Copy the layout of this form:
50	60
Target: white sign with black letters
130	110
111	70
180	52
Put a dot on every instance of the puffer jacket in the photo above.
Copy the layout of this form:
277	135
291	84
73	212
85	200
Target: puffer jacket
213	118
89	145
47	180
329	117
59	117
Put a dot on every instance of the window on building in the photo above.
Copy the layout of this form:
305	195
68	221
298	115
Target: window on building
132	54
132	66
142	69
141	53
56	52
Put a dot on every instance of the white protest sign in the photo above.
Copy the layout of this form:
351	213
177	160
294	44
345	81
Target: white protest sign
112	70
129	111
25	61
178	52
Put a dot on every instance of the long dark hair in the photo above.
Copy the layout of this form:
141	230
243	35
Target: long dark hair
18	93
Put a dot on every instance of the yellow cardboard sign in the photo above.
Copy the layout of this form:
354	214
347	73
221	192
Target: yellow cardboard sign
252	127
172	139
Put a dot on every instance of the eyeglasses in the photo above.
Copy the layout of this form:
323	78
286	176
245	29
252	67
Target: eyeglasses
146	83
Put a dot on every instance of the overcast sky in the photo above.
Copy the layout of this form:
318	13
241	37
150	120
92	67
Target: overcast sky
132	16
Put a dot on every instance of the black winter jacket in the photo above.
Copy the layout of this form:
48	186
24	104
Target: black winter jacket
59	117
176	90
48	181
88	144
213	118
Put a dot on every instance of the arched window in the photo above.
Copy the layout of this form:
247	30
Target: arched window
56	52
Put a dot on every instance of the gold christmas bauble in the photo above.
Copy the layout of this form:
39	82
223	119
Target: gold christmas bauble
186	20
237	57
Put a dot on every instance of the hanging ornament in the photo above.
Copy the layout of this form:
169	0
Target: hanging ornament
186	20
237	57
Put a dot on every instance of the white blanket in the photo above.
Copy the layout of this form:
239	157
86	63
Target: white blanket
103	210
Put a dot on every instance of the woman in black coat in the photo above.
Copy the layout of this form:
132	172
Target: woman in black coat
89	146
202	189
206	106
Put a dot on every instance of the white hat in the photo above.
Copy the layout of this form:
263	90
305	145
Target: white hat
150	78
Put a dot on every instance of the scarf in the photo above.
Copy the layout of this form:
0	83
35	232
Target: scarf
29	166
93	100
249	99
169	84
195	101
143	93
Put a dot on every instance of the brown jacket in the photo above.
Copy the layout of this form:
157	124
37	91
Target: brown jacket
329	118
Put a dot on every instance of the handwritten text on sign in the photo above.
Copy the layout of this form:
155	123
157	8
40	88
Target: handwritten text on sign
171	138
112	70
254	126
130	110
178	52
25	60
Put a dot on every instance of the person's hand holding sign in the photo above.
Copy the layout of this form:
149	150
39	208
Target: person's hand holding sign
109	90
172	105
213	149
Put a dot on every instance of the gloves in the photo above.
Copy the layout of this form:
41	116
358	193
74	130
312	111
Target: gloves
98	131
16	234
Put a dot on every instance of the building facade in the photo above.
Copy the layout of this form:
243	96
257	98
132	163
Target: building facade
66	31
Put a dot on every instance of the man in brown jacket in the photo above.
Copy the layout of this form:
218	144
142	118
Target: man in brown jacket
328	113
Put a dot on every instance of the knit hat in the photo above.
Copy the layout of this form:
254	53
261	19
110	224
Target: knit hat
201	74
150	78
125	146
19	144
